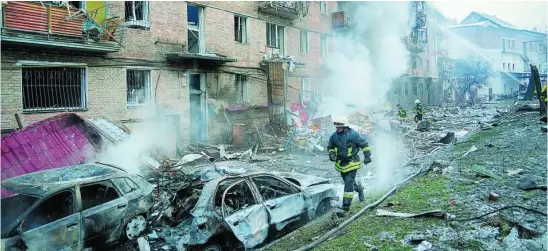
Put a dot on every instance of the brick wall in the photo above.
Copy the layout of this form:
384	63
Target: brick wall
106	76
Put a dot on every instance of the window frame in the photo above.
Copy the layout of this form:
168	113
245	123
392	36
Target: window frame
113	186
242	89
290	184
306	93
324	45
323	7
279	41
83	87
244	31
250	186
75	209
148	87
305	42
145	23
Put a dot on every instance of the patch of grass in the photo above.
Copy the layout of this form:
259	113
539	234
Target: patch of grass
467	245
463	187
425	193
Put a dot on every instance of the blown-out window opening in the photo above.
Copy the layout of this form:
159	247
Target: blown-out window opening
138	87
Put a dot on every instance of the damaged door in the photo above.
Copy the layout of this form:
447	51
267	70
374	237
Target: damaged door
103	209
53	224
247	219
285	203
198	113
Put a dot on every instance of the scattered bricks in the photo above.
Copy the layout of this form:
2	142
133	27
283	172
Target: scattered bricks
493	196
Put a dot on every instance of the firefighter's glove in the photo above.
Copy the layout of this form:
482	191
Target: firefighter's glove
366	157
367	160
332	156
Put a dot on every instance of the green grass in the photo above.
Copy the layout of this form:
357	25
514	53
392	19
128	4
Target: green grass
425	193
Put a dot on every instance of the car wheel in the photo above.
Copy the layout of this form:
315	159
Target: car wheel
323	207
135	226
211	247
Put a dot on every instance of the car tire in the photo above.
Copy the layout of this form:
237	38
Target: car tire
211	247
323	207
134	227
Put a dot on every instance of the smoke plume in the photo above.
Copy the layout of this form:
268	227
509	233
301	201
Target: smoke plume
361	69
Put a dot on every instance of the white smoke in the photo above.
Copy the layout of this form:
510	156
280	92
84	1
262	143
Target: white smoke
151	135
361	71
368	58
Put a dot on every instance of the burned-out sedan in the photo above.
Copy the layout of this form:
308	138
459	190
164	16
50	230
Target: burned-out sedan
246	211
73	208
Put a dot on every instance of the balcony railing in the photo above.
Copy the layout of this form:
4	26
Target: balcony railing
34	24
285	9
340	20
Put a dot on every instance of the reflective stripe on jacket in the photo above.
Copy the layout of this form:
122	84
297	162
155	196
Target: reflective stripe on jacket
347	146
419	109
402	113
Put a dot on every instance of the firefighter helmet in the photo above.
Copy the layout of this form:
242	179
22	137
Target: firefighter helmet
417	102
340	121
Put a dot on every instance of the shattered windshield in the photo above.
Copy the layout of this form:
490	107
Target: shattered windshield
13	206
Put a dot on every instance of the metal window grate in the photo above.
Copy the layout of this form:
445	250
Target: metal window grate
138	87
53	88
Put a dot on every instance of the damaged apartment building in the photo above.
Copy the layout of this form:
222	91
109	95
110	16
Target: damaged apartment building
212	65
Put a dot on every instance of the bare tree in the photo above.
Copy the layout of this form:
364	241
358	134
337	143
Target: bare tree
471	74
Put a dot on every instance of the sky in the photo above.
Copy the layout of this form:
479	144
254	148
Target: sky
522	14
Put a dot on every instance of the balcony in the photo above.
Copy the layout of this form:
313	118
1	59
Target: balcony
416	42
286	9
340	20
52	27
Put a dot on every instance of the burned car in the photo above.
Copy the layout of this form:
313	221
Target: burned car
248	210
73	208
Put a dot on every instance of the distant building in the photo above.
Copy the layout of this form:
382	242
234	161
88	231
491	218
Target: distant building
509	49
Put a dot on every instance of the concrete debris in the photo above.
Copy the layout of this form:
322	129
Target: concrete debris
188	159
153	235
513	172
423	126
528	183
143	244
424	245
528	108
452	203
448	138
544	128
472	149
493	196
483	172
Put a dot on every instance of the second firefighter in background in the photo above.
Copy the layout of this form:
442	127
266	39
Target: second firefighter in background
344	147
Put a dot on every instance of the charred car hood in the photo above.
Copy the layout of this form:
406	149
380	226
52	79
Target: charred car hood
303	179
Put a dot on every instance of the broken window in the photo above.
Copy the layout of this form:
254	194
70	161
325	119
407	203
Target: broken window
242	89
12	207
504	66
97	194
323	7
415	87
306	90
138	87
323	45
238	197
78	4
513	67
304	42
125	185
137	14
53	88
272	188
55	208
275	36
240	29
195	31
406	88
